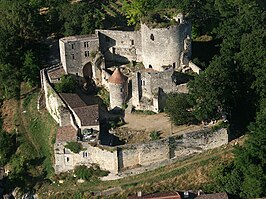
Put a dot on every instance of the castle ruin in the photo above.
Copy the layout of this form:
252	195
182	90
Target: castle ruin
90	59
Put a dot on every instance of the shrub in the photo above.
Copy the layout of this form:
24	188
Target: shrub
86	173
83	172
155	135
67	85
75	147
178	109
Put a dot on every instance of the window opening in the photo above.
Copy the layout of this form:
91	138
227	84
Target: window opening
73	56
86	44
150	66
132	42
152	37
72	46
67	159
113	50
87	53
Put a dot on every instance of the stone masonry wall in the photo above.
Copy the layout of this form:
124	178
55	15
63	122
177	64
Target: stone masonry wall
76	51
66	160
118	159
54	104
163	46
120	46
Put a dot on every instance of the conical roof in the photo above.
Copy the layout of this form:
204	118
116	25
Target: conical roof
117	77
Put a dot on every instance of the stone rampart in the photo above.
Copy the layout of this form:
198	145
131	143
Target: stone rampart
54	104
122	158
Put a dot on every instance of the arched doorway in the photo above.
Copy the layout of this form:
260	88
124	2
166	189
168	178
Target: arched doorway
87	71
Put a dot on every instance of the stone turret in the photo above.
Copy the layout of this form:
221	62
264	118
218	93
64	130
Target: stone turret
118	87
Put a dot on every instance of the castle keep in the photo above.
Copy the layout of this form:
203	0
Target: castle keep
161	50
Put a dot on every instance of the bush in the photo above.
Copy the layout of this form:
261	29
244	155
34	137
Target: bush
178	109
86	173
155	135
83	172
67	85
75	147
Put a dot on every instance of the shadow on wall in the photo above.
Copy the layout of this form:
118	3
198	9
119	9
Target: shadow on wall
109	50
180	78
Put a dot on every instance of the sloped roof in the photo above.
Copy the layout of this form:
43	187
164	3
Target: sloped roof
66	134
73	100
117	77
88	115
56	73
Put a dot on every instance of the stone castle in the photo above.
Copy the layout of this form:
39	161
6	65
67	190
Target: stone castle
93	60
161	50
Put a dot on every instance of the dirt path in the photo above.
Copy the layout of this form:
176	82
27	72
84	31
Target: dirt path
157	122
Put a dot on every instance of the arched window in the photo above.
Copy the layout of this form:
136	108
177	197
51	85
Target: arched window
152	37
150	66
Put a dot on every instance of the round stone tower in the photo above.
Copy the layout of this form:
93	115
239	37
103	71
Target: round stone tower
118	88
164	46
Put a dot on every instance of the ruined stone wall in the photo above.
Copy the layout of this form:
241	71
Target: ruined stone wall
150	88
117	159
66	160
76	51
173	147
163	46
54	104
120	46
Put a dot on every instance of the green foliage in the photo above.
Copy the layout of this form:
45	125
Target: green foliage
246	176
67	85
211	91
30	70
80	18
75	147
86	173
155	135
83	172
9	81
134	10
7	147
178	108
104	95
144	112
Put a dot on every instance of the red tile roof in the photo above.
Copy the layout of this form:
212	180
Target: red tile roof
66	134
73	100
89	115
117	77
56	73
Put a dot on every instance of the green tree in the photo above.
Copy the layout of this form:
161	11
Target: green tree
212	91
135	10
246	175
30	70
9	81
179	109
7	147
75	147
67	85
